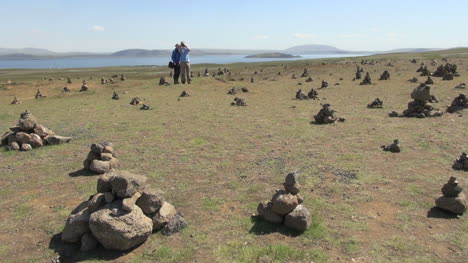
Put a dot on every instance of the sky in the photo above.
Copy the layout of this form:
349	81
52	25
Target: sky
112	25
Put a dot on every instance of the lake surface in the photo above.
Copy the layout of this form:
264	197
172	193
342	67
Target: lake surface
145	61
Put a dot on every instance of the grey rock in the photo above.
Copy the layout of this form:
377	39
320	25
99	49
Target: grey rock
126	184
299	219
283	202
150	201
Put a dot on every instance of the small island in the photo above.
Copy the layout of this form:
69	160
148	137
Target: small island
272	55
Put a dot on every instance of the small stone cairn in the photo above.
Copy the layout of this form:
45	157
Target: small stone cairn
29	134
459	103
121	215
385	75
367	80
461	163
376	104
101	158
286	206
394	147
420	106
238	102
453	199
326	115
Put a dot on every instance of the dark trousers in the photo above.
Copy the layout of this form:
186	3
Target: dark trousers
176	73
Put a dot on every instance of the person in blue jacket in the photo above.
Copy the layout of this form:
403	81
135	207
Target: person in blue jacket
176	60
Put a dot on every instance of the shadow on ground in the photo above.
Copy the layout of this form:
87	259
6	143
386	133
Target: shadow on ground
71	252
436	212
81	172
262	227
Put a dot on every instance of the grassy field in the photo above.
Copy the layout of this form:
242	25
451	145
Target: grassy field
216	162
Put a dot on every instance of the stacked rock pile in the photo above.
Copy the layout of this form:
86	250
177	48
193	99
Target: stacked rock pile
135	101
326	115
184	94
238	102
84	86
461	163
413	80
300	95
324	84
29	134
121	215
123	78
39	95
305	74
163	81
394	147
286	206
115	96
459	103
453	198
420	106
101	158
309	79
145	107
447	71
15	101
429	81
313	94
367	80
66	89
385	75
376	104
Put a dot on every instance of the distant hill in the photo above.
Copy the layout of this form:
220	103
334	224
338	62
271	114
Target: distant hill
314	49
410	50
272	55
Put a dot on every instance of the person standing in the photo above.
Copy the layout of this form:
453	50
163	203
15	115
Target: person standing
176	60
185	62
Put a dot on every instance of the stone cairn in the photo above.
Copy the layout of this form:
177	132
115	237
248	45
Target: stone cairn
394	147
385	75
101	158
324	84
286	206
234	90
123	78
424	71
313	94
447	71
326	115
115	96
305	74
429	81
135	101
84	86
453	199
69	81
145	107
376	104
39	95
300	95
163	81
460	86
459	103
184	94
293	76
206	74
103	80
309	79
413	80
121	215
367	80
15	101
461	163
66	89
238	102
358	74
251	80
28	134
420	106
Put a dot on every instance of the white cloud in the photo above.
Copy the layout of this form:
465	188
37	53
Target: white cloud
352	35
391	34
260	37
97	28
374	29
304	35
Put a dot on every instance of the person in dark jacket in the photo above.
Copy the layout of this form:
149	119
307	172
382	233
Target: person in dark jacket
176	60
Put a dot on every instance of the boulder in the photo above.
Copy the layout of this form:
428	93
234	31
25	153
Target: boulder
99	167
283	202
35	140
106	156
96	202
28	123
13	146
22	137
42	131
129	203
456	205
55	139
265	212
176	224
299	219
163	216
116	229
26	147
126	184
77	224
104	183
4	138
150	201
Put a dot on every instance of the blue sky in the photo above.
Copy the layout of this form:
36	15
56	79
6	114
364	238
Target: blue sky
105	25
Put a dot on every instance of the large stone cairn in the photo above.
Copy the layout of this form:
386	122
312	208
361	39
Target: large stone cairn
121	215
286	206
367	80
385	75
326	115
453	199
29	134
447	71
461	163
101	158
459	103
420	106
376	104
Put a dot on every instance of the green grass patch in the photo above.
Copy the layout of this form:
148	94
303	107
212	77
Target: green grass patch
212	204
168	254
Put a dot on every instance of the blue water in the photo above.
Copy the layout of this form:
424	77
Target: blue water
146	61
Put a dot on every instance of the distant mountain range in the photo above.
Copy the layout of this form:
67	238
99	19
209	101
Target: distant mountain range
36	53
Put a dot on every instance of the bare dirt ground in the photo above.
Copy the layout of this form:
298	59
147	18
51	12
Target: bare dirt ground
216	162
